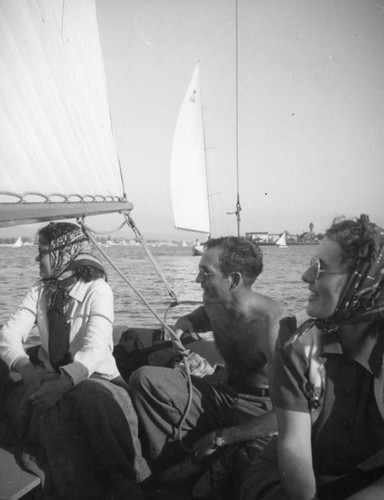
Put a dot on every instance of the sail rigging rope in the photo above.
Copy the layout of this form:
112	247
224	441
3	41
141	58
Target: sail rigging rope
109	230
135	229
174	337
129	221
176	341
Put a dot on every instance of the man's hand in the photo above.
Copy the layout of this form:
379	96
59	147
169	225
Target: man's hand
29	374
51	392
207	444
184	325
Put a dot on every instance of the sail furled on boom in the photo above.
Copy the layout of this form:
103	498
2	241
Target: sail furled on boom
188	163
55	127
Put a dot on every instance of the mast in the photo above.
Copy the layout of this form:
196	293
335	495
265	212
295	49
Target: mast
205	163
238	205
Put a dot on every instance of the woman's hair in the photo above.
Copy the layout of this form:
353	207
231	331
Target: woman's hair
88	273
239	254
356	238
54	230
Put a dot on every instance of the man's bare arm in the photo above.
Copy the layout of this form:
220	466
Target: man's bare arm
196	321
262	426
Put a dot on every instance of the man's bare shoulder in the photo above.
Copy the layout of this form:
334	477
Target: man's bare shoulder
272	312
269	307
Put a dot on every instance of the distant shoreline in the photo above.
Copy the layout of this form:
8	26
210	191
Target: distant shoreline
289	244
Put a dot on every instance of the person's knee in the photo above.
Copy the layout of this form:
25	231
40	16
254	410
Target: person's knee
92	395
141	379
94	400
88	389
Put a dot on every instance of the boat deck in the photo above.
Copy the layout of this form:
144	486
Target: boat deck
15	482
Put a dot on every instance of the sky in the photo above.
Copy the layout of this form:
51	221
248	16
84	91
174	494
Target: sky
310	107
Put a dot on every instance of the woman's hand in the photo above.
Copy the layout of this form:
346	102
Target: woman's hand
50	392
29	374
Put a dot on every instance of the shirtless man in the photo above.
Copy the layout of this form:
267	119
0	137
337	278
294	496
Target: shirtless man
245	326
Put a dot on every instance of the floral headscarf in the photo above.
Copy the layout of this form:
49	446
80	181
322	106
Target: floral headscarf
363	296
67	247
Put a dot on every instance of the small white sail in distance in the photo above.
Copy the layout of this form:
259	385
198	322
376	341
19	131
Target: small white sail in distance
189	188
282	241
18	243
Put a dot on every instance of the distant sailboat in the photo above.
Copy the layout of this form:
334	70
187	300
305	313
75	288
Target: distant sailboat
282	241
197	248
18	243
189	187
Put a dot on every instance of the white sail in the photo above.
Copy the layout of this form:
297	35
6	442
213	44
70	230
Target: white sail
55	127
18	243
188	166
282	241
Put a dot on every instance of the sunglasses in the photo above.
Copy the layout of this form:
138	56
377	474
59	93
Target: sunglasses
317	270
42	252
206	276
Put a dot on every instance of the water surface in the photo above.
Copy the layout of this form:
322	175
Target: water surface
281	280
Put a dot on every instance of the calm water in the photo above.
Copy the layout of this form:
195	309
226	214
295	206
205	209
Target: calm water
280	280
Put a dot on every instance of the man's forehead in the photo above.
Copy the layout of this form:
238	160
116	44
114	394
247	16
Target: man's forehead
211	257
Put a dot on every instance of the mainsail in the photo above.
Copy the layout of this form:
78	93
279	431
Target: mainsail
188	163
57	155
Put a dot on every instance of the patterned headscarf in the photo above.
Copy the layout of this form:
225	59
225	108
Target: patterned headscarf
363	296
67	247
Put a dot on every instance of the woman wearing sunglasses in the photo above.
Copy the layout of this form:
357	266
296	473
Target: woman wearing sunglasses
328	381
71	403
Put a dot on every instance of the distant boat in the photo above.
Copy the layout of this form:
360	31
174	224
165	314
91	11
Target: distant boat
197	248
18	243
282	241
189	187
